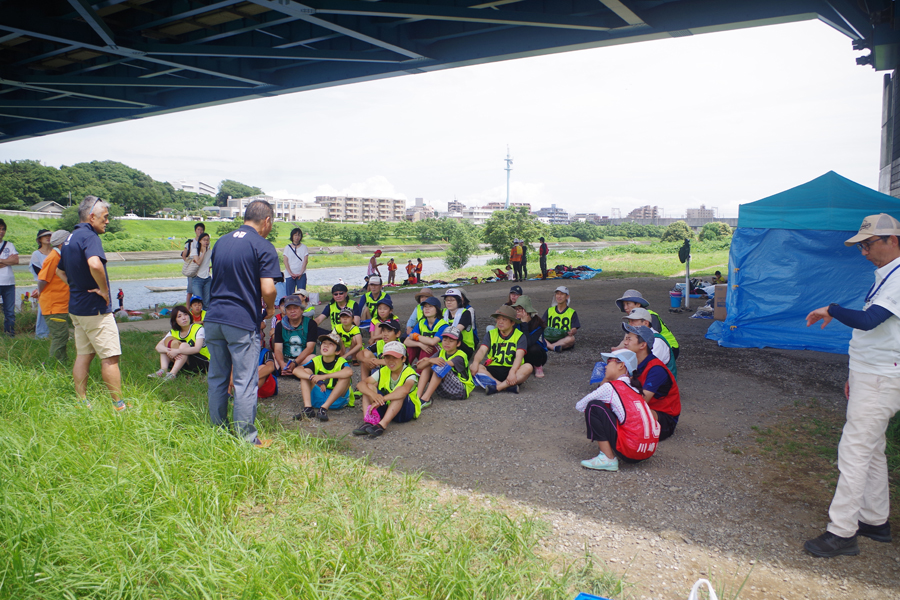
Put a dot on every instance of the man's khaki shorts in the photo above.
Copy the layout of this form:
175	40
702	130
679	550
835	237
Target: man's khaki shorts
97	334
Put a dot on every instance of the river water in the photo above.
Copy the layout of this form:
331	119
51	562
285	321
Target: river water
137	296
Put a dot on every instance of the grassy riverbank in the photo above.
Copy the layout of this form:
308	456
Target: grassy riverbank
154	503
657	260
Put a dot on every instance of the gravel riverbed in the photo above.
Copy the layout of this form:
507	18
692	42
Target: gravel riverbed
707	504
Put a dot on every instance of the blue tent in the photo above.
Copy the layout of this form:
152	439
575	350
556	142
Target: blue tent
788	257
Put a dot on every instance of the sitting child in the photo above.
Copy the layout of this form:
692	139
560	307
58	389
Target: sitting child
196	308
372	357
324	380
384	312
390	393
454	384
184	347
350	334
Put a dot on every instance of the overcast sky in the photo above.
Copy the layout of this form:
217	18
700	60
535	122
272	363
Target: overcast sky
718	119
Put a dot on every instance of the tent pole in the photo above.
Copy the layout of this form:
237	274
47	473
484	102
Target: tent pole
687	282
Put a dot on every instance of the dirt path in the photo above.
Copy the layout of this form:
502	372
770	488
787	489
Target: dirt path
707	504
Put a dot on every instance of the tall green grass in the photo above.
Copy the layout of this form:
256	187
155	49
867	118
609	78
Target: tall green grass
155	503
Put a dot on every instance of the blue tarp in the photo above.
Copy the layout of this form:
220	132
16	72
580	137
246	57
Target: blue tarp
777	275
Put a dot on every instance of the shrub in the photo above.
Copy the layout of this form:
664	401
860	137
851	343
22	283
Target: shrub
677	231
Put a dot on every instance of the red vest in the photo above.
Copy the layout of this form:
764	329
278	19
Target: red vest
638	436
671	402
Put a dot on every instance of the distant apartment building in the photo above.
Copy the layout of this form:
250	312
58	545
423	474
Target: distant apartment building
553	215
644	212
589	218
455	206
195	186
701	213
477	215
502	205
360	210
419	211
285	209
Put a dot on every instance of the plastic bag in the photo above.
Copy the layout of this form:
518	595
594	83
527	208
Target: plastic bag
598	373
695	591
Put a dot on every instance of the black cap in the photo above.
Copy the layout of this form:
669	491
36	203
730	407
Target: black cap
339	287
392	324
516	289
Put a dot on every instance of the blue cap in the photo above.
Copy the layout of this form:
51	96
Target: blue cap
432	301
195	299
386	300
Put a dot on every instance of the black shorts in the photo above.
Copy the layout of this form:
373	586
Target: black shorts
497	372
196	363
667	425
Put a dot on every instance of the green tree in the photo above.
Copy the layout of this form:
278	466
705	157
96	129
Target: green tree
375	231
404	229
427	230
327	232
463	244
506	225
715	231
235	189
69	218
586	232
677	231
350	235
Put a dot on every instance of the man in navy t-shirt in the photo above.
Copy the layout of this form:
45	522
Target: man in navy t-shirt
244	268
84	263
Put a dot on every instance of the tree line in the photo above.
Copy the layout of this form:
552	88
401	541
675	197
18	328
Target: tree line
24	183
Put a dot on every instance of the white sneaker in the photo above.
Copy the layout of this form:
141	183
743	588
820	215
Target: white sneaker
539	372
157	375
601	463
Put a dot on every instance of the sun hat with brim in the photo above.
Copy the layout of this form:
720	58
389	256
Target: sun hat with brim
506	311
524	302
880	224
631	296
424	292
335	338
638	313
42	233
644	333
432	301
394	349
303	293
59	236
628	358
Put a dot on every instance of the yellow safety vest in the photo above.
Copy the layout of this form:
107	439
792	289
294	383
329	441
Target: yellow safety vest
334	312
191	338
560	320
385	387
502	351
466	376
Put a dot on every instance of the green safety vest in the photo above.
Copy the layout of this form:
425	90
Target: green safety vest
319	368
334	312
347	336
427	331
671	364
294	340
468	335
385	387
658	325
560	320
466	376
372	302
502	351
191	338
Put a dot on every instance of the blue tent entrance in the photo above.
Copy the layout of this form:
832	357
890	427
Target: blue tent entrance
788	257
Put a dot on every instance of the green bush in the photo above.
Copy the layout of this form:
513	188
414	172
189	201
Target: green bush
715	230
677	231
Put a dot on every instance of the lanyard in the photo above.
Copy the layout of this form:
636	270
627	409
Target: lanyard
872	294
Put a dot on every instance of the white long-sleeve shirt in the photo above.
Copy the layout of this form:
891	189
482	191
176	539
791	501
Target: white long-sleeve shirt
606	393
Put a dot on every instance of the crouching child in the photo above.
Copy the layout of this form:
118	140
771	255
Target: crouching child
389	394
324	380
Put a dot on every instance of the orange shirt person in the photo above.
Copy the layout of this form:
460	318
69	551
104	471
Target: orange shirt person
392	272
53	294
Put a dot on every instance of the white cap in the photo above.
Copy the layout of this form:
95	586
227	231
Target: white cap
562	289
394	349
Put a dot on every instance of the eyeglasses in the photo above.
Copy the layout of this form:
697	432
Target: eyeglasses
867	244
338	293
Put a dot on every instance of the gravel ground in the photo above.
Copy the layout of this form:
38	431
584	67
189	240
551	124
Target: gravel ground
703	506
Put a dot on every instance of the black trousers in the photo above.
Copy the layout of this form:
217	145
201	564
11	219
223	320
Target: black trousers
543	267
517	271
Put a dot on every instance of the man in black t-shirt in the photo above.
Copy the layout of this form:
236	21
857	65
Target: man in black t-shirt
244	268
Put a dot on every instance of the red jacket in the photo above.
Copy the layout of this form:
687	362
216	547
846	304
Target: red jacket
671	402
638	435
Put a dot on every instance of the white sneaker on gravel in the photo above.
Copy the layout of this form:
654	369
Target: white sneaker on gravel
601	463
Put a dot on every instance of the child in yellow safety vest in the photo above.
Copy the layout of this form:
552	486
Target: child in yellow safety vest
325	379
